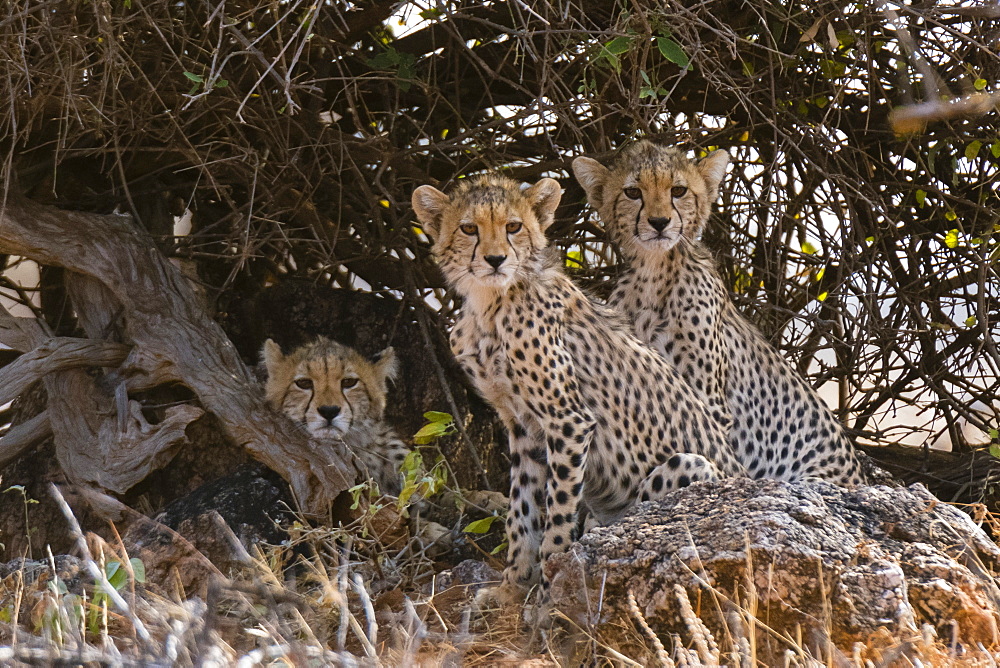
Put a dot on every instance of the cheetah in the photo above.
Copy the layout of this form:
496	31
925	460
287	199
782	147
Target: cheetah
596	420
654	203
339	398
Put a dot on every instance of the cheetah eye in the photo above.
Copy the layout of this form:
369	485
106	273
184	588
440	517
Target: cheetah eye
470	229
678	191
348	382
304	383
514	227
633	193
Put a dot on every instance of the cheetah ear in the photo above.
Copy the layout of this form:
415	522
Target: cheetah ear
592	175
429	204
386	365
544	197
273	357
279	374
713	169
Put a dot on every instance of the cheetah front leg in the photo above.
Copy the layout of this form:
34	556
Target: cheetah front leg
527	496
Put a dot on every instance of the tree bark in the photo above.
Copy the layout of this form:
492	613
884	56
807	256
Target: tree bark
169	329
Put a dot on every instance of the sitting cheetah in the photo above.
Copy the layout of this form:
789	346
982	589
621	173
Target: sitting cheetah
594	417
339	397
654	203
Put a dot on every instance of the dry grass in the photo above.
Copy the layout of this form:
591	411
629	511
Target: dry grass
353	597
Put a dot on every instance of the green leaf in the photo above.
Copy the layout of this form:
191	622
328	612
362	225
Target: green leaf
386	60
481	526
499	548
970	321
995	449
117	576
950	215
431	431
951	239
870	240
221	83
921	196
138	568
197	78
832	69
972	150
980	84
673	52
438	416
408	490
356	494
994	434
412	464
618	45
430	14
808	248
613	49
995	149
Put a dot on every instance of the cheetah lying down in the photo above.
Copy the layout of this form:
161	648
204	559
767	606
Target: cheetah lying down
339	397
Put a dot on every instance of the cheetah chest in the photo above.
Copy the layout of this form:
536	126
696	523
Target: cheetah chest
480	352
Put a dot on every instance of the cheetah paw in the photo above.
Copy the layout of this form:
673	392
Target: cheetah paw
502	595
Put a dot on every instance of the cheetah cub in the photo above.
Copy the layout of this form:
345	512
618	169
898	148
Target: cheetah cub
594	417
654	203
338	396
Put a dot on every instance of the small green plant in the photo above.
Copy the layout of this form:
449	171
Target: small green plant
482	526
27	500
117	576
438	425
417	480
198	81
400	62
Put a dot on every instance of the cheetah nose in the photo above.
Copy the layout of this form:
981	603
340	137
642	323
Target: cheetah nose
659	223
329	412
495	260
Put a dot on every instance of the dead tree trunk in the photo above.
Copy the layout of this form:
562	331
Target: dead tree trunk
101	436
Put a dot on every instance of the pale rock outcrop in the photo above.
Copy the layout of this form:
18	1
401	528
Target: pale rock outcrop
813	561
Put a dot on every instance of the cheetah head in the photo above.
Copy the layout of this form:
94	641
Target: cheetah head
326	387
652	197
489	231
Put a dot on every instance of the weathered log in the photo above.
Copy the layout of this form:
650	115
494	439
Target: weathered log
164	320
56	354
23	436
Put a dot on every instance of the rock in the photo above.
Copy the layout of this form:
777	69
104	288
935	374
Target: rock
210	531
27	572
812	560
471	574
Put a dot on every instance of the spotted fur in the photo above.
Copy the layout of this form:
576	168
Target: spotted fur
654	203
595	419
339	397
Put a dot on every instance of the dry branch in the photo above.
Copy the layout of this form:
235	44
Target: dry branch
163	318
23	436
56	354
